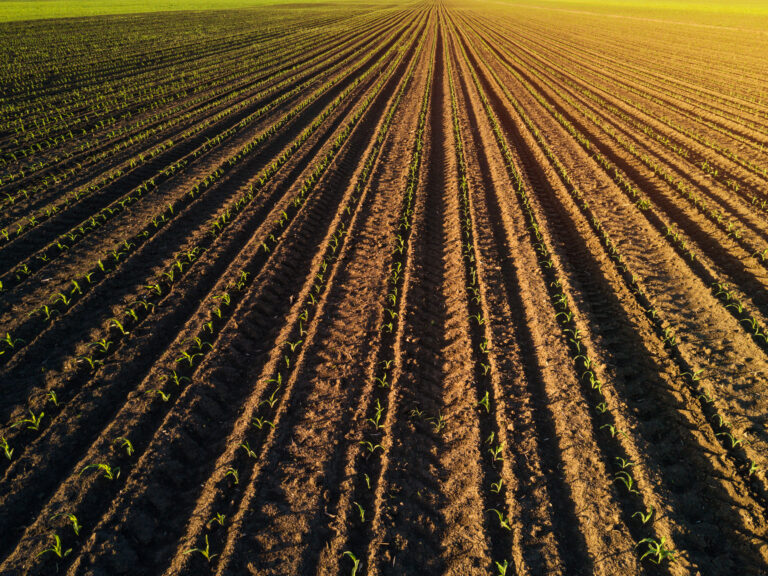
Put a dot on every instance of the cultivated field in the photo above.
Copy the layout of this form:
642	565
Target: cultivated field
462	288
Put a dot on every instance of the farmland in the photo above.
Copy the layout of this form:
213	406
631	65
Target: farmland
455	287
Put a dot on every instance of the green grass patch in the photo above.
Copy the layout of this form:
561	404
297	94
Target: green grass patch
15	10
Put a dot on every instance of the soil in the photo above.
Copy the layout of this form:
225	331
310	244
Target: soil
445	288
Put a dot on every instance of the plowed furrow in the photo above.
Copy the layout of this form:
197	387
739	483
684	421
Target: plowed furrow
722	215
570	402
326	62
605	311
449	287
324	388
719	273
233	182
434	456
674	453
204	101
539	545
155	462
198	163
696	110
256	244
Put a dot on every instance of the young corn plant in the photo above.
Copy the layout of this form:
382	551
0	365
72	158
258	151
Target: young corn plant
204	552
656	550
503	520
7	450
31	423
109	472
56	549
76	526
355	562
126	445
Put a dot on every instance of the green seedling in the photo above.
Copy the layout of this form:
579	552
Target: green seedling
376	420
624	464
437	423
586	360
694	376
125	443
360	511
217	519
478	318
92	362
644	516
102	345
294	345
10	341
199	344
60	297
733	440
261	422
7	450
656	550
164	396
485	402
115	323
272	400
370	446
245	446
625	478
76	526
31	423
496	486
57	548
235	475
204	552
496	453
602	407
722	422
355	561
502	568
44	311
176	379
51	394
187	357
566	316
109	472
503	520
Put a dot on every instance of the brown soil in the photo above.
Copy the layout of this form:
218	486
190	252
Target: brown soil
448	288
